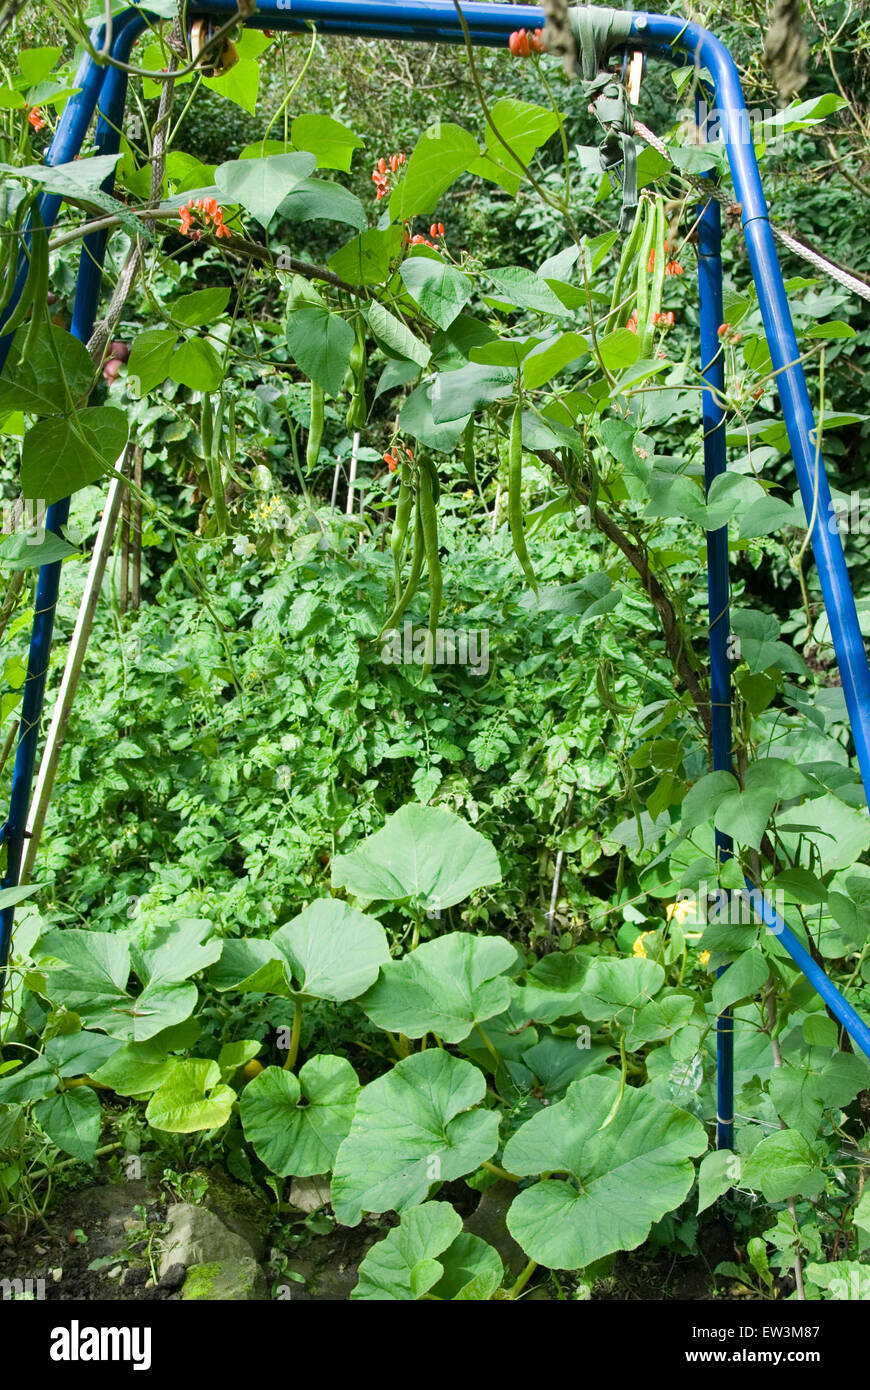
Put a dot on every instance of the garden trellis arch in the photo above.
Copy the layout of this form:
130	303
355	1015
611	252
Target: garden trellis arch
103	89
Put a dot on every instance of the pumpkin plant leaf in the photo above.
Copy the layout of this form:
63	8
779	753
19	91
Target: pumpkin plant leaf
414	1126
331	951
446	986
404	1265
422	852
625	1170
296	1124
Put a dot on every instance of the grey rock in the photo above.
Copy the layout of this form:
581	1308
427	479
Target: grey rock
173	1277
196	1236
237	1207
310	1194
489	1222
233	1281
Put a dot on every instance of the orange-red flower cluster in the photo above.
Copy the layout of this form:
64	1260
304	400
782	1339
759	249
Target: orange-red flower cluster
379	173
729	334
665	319
203	215
671	268
436	230
391	458
522	45
36	118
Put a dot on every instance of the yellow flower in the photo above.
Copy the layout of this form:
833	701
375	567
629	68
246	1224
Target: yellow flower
469	492
639	949
682	910
704	957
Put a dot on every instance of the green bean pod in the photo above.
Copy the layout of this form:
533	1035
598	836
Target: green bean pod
355	381
515	496
400	526
315	428
39	276
413	578
646	247
19	313
429	522
619	315
646	327
468	452
206	426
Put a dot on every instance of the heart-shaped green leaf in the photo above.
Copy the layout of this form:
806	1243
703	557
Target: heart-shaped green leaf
404	1265
71	1119
423	852
196	364
321	344
446	986
296	1125
261	185
330	951
61	456
412	1127
617	988
150	358
200	306
472	1271
192	1098
441	291
783	1165
36	385
627	1167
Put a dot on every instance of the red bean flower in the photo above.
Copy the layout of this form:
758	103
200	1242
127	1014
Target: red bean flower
380	176
205	215
36	118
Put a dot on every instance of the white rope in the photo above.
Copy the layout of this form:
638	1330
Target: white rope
829	268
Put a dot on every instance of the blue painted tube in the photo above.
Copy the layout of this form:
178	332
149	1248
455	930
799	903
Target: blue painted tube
854	1025
114	90
718	592
107	141
665	34
67	142
434	22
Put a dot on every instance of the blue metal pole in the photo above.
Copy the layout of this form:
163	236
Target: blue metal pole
850	1020
666	35
435	21
113	90
713	415
71	130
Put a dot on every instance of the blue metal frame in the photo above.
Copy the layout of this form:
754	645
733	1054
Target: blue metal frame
715	464
490	25
108	86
